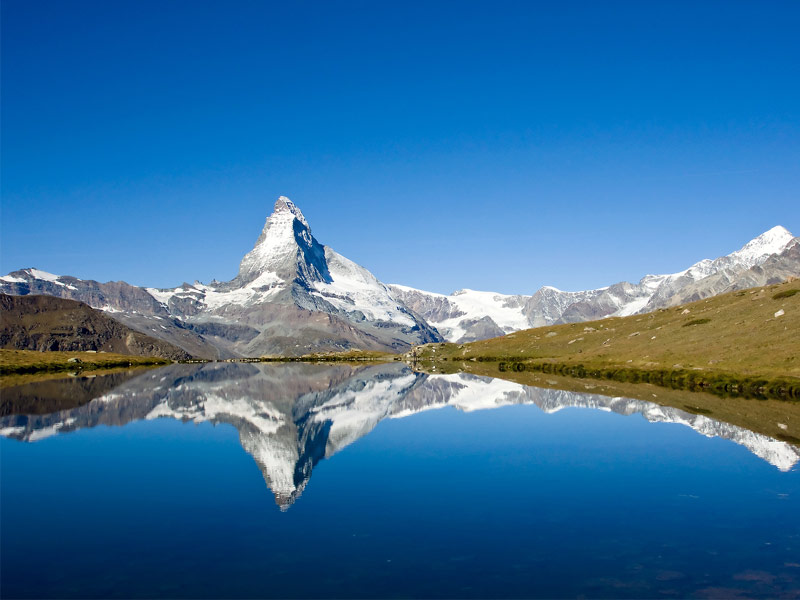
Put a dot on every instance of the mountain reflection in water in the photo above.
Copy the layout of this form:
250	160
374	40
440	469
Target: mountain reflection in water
291	416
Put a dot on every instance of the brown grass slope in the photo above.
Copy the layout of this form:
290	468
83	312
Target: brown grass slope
47	323
16	363
737	333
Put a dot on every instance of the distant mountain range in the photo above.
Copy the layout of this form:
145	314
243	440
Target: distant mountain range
289	417
467	315
293	296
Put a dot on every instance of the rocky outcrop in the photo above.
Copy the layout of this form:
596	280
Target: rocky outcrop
45	323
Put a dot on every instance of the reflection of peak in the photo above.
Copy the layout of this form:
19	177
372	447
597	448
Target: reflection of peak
289	417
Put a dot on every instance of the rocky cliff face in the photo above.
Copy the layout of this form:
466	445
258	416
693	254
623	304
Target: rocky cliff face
46	323
468	315
292	296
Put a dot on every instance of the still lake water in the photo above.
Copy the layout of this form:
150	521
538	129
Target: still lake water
196	481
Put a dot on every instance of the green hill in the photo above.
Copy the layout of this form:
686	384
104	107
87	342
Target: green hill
742	340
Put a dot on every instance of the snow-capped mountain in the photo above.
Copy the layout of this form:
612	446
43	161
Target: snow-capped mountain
468	315
292	295
289	417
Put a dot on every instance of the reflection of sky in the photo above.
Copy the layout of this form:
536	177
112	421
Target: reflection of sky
445	503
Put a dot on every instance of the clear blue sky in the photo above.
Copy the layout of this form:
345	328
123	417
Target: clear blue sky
491	145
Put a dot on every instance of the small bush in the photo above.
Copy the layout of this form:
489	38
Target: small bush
785	294
697	322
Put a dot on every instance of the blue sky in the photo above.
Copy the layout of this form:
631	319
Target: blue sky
443	145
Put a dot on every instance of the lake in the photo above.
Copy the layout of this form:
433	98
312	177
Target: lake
301	480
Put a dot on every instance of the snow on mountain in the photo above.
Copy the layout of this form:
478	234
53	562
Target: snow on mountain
468	315
354	289
757	250
454	315
292	295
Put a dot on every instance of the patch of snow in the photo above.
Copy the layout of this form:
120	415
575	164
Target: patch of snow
44	275
354	288
11	431
162	296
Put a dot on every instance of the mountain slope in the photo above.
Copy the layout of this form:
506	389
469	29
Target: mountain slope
468	315
292	295
46	323
748	333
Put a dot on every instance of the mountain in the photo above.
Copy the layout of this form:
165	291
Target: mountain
292	295
290	417
467	315
47	323
748	338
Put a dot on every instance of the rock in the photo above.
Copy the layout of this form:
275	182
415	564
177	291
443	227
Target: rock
74	360
780	313
46	323
685	311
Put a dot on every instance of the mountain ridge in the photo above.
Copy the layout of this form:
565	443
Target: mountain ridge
469	315
292	295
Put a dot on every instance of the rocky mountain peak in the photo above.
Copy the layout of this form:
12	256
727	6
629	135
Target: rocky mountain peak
773	241
284	205
285	249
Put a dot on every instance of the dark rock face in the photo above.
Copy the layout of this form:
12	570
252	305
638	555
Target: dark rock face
45	323
113	295
480	329
133	306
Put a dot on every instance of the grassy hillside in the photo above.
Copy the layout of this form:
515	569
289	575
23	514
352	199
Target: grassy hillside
30	361
734	336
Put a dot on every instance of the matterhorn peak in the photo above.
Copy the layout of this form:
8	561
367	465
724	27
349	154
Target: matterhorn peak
284	205
281	223
284	250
